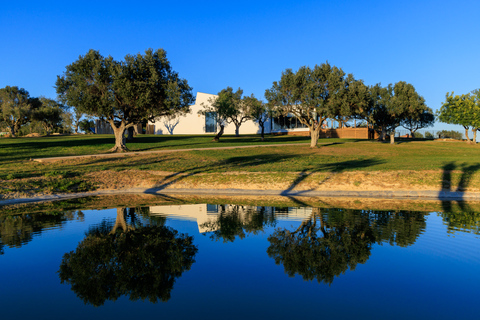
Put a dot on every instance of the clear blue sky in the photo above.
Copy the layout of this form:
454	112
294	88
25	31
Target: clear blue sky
434	45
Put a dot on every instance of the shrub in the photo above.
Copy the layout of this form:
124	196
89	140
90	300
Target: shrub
450	134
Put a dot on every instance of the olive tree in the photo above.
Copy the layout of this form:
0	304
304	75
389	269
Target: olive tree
229	107
16	107
48	114
311	95
124	93
463	110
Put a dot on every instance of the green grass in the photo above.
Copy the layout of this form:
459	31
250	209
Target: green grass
455	162
14	149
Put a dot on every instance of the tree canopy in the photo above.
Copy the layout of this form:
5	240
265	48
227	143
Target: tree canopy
313	95
333	241
229	107
463	110
396	105
49	114
123	93
16	107
139	261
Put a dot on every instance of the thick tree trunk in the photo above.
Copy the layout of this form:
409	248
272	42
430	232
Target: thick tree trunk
119	138
263	131
474	141
219	134
392	137
237	130
120	221
383	133
314	135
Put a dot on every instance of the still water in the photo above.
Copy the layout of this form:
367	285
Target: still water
206	261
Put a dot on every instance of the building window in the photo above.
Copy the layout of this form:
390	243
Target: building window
286	122
211	122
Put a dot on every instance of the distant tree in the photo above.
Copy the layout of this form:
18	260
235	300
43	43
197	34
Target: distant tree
85	125
394	105
138	261
311	95
229	107
76	117
16	108
258	112
49	114
449	134
142	87
418	119
463	110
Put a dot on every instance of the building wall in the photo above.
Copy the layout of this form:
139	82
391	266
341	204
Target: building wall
194	123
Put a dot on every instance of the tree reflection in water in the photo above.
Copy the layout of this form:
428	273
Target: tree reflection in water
333	241
18	230
238	221
137	260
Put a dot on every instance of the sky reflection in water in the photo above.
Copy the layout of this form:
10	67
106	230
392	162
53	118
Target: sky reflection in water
226	261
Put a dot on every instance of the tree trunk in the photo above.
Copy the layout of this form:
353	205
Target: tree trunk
383	133
392	137
474	141
263	130
12	131
130	134
314	135
219	134
466	135
119	138
120	221
237	130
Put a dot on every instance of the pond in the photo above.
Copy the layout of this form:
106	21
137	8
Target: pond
238	261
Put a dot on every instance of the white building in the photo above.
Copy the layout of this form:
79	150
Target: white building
194	123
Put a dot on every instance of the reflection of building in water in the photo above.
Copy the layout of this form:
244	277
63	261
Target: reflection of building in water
207	214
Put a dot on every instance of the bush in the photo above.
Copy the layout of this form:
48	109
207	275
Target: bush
418	135
429	135
450	134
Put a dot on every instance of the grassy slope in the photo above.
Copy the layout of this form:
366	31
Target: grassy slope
435	164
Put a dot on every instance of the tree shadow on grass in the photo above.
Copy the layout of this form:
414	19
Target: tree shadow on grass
463	183
333	168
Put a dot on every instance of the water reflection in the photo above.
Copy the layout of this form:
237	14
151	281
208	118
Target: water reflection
237	221
138	259
18	230
332	241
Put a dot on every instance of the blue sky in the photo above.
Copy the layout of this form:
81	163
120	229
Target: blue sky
433	45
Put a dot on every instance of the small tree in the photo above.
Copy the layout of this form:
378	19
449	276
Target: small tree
258	112
124	93
49	114
420	118
16	108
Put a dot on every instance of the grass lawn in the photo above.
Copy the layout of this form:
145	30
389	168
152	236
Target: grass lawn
336	163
